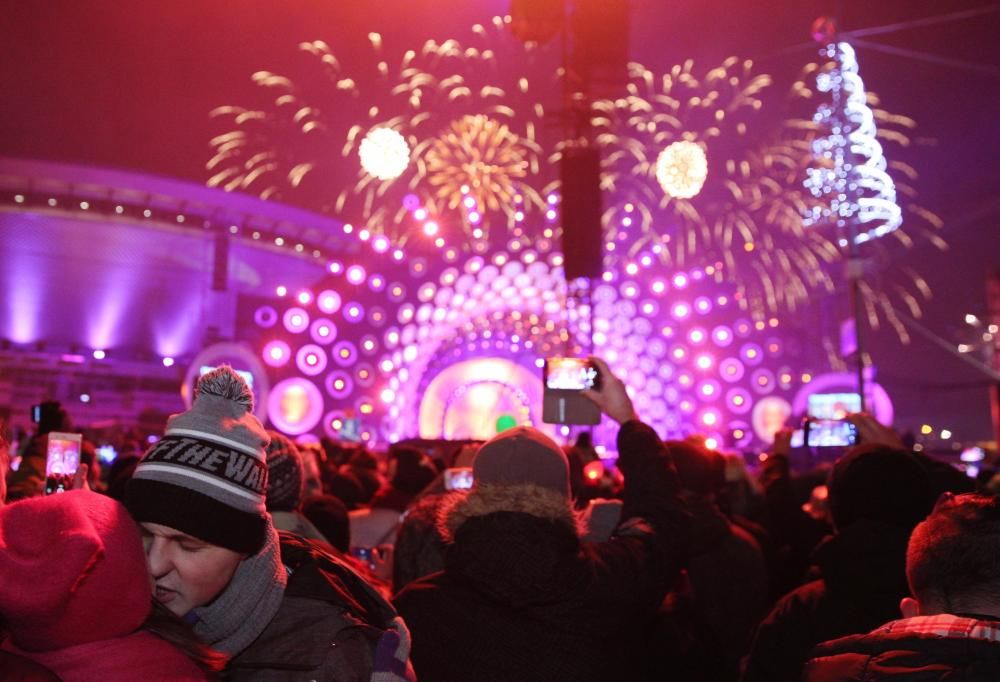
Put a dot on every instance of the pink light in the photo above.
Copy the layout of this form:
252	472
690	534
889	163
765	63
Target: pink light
99	354
276	353
704	362
168	362
356	274
696	335
680	280
659	286
681	310
475	217
335	267
420	214
328	301
305	297
709	418
703	305
380	244
632	268
470	202
431	228
281	290
398	255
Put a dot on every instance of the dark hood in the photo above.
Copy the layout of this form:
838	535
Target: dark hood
866	559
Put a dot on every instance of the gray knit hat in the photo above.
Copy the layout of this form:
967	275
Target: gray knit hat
520	456
207	476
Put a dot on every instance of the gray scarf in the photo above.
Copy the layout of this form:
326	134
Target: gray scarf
239	615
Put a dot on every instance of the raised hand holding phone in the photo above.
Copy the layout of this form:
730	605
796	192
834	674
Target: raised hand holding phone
611	395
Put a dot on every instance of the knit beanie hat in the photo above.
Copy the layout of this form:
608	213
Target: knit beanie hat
520	456
207	476
878	483
285	474
72	571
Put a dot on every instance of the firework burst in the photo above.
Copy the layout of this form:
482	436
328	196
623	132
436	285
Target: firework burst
471	161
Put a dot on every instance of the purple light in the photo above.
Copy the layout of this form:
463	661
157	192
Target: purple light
356	274
328	301
311	360
411	202
344	353
420	213
680	280
168	362
696	335
703	362
380	244
398	255
296	320
552	199
702	304
305	297
550	214
731	370
354	312
323	331
265	316
335	267
281	290
99	354
475	217
709	390
722	336
470	202
738	401
751	354
339	384
376	282
681	310
295	406
276	353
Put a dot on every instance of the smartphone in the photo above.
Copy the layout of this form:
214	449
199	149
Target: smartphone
571	374
458	478
563	379
364	554
62	459
829	433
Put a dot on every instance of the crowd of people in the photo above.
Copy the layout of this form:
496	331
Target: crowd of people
226	551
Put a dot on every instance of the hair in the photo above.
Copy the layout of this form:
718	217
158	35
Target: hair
167	626
699	470
329	515
414	469
954	555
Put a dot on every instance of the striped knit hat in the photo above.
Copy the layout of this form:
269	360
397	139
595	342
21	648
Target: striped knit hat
207	476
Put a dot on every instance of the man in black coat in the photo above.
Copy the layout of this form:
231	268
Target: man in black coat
521	597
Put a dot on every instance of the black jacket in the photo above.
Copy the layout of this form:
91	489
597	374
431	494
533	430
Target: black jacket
522	598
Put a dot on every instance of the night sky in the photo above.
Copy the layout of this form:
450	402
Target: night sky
129	85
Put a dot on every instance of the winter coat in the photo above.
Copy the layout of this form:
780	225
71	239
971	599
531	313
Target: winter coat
522	598
864	579
331	625
943	647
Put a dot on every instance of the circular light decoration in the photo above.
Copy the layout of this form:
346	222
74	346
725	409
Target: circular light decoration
762	381
265	316
295	406
328	301
296	320
681	169
276	353
323	331
344	353
365	374
384	153
311	360
769	416
339	384
354	312
738	401
731	369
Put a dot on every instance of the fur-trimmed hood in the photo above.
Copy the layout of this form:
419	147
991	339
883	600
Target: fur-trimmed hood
524	498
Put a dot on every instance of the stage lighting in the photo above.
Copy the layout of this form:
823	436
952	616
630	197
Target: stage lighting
384	153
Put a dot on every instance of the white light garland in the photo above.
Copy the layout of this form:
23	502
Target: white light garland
851	174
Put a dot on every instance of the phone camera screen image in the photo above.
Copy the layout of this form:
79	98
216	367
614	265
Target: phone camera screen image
458	478
61	461
570	374
825	433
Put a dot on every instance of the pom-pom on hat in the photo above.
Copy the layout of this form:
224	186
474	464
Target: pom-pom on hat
64	559
207	476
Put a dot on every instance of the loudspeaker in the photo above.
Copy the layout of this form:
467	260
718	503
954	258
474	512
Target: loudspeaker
536	20
600	31
582	241
220	263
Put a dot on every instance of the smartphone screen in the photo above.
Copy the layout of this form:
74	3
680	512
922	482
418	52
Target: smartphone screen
61	461
824	433
570	374
458	478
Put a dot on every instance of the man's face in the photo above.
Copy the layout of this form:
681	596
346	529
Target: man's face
186	572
